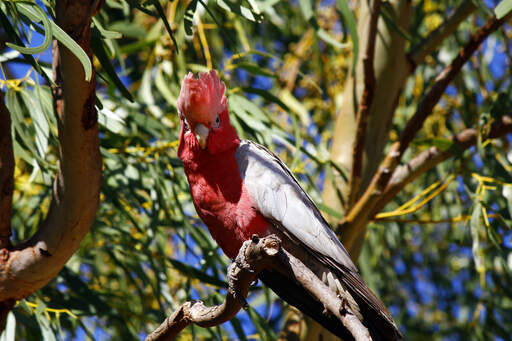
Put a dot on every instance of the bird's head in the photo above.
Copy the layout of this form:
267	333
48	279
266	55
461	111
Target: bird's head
203	108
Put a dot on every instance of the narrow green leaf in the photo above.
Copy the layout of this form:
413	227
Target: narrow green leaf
267	95
106	33
72	46
36	14
350	22
329	210
256	69
306	7
327	38
237	326
110	120
4	21
503	8
16	111
387	13
191	272
106	63
39	120
475	224
440	143
161	13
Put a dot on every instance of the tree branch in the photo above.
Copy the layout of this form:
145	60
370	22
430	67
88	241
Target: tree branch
436	37
430	158
75	200
359	215
6	175
254	256
364	107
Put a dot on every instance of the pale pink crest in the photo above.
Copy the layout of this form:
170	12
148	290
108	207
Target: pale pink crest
202	98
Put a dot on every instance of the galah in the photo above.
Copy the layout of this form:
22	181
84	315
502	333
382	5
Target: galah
240	188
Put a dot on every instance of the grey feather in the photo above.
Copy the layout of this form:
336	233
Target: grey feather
278	196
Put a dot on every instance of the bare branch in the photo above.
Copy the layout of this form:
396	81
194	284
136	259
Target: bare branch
430	158
254	256
292	266
75	200
6	175
436	37
359	215
364	107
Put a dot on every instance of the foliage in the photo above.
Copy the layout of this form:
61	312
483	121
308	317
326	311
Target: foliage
284	65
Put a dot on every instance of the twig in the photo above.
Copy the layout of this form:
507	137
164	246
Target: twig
428	159
364	108
359	215
436	37
254	256
6	175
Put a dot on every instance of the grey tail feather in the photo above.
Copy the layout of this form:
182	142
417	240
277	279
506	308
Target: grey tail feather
298	297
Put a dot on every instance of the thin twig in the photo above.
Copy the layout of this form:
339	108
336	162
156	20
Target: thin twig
364	107
359	215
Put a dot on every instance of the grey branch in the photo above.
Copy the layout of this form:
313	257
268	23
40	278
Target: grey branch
254	256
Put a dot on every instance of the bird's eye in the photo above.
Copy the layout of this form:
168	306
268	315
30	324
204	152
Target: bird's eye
216	123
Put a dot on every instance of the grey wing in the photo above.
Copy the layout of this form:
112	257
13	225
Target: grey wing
279	197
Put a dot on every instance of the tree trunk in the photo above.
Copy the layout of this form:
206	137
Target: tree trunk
391	70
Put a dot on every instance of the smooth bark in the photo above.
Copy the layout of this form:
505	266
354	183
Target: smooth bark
75	199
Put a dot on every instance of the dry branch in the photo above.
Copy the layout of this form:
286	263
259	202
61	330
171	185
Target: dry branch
32	264
359	215
254	256
364	107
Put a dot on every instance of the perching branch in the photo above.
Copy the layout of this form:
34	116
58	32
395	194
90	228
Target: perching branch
32	264
430	158
359	215
6	175
436	37
364	107
254	256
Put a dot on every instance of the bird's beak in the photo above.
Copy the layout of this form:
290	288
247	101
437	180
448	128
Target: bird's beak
201	133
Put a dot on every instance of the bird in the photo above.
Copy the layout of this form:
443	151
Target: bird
240	189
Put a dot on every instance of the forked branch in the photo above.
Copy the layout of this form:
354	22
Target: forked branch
359	215
254	256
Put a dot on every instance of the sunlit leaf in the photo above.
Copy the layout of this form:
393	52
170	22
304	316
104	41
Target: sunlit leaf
503	8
